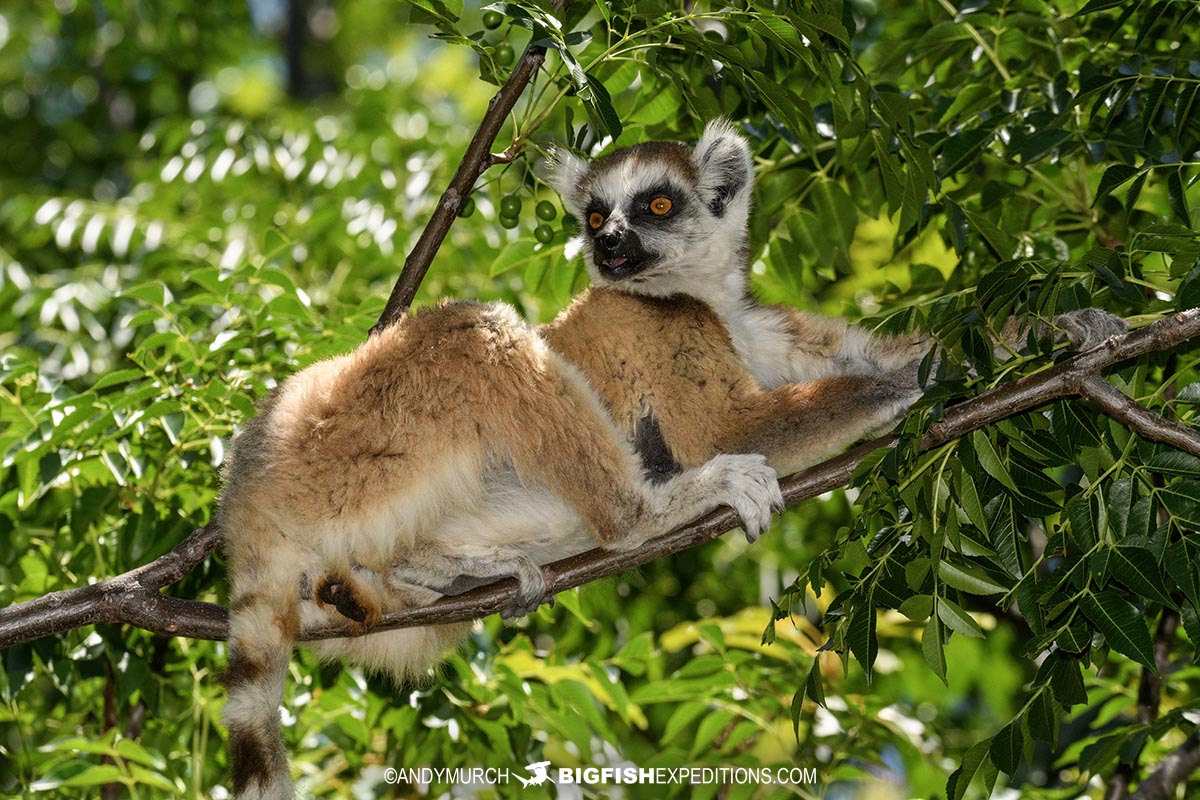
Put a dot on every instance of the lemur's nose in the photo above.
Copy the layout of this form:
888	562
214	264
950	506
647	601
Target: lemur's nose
609	242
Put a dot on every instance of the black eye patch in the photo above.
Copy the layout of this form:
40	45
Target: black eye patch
594	207
639	207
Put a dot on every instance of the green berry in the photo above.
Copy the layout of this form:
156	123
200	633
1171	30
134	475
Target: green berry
504	54
546	210
467	208
492	20
544	233
570	225
510	206
508	222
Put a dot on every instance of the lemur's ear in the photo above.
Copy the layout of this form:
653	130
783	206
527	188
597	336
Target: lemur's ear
724	164
566	174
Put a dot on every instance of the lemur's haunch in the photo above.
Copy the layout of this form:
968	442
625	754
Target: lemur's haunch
461	444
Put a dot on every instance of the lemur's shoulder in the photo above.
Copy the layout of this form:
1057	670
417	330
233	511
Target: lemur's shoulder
613	325
640	353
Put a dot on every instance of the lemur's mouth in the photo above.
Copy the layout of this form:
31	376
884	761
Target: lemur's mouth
619	267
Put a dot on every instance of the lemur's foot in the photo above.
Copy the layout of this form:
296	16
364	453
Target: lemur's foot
1088	328
531	590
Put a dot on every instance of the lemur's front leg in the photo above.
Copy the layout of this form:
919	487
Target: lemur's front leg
780	345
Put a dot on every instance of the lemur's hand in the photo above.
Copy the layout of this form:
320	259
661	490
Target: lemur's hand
749	487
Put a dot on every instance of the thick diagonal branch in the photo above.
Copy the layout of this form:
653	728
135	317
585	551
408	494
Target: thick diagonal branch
134	597
474	162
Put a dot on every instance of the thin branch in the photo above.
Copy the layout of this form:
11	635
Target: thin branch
474	163
134	597
1140	419
1174	770
1149	700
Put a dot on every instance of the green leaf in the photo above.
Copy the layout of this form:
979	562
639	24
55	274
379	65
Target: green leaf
968	496
709	729
683	716
514	255
1074	639
960	779
932	648
1092	6
968	578
989	459
861	635
1002	244
1183	565
1175	462
1191	624
1123	627
836	211
1101	752
1137	569
814	688
1082	516
918	607
117	378
1042	717
1182	499
958	620
1008	747
1177	196
599	105
1113	177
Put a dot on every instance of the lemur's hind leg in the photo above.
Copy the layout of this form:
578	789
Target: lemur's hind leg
455	573
1083	329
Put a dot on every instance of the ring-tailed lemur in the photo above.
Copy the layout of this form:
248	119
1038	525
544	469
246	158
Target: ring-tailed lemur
461	444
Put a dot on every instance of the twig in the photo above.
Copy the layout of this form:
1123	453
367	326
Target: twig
1149	700
1174	769
134	597
474	162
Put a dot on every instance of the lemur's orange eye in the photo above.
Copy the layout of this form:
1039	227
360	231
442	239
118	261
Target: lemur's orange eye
660	206
595	220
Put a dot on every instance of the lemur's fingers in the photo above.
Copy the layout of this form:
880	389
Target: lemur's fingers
1088	328
751	488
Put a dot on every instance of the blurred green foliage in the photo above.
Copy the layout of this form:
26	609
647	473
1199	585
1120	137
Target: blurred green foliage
198	199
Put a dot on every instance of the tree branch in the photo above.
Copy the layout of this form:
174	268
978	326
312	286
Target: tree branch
1174	769
134	597
1140	419
1149	699
474	163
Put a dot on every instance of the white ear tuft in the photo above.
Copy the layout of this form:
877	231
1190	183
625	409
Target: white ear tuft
725	166
566	174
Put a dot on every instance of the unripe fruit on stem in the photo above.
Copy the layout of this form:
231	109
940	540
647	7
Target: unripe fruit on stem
510	205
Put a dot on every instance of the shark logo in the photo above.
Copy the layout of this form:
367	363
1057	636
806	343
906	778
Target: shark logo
540	775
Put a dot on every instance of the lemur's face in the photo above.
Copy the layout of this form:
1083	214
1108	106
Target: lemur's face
658	217
640	209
